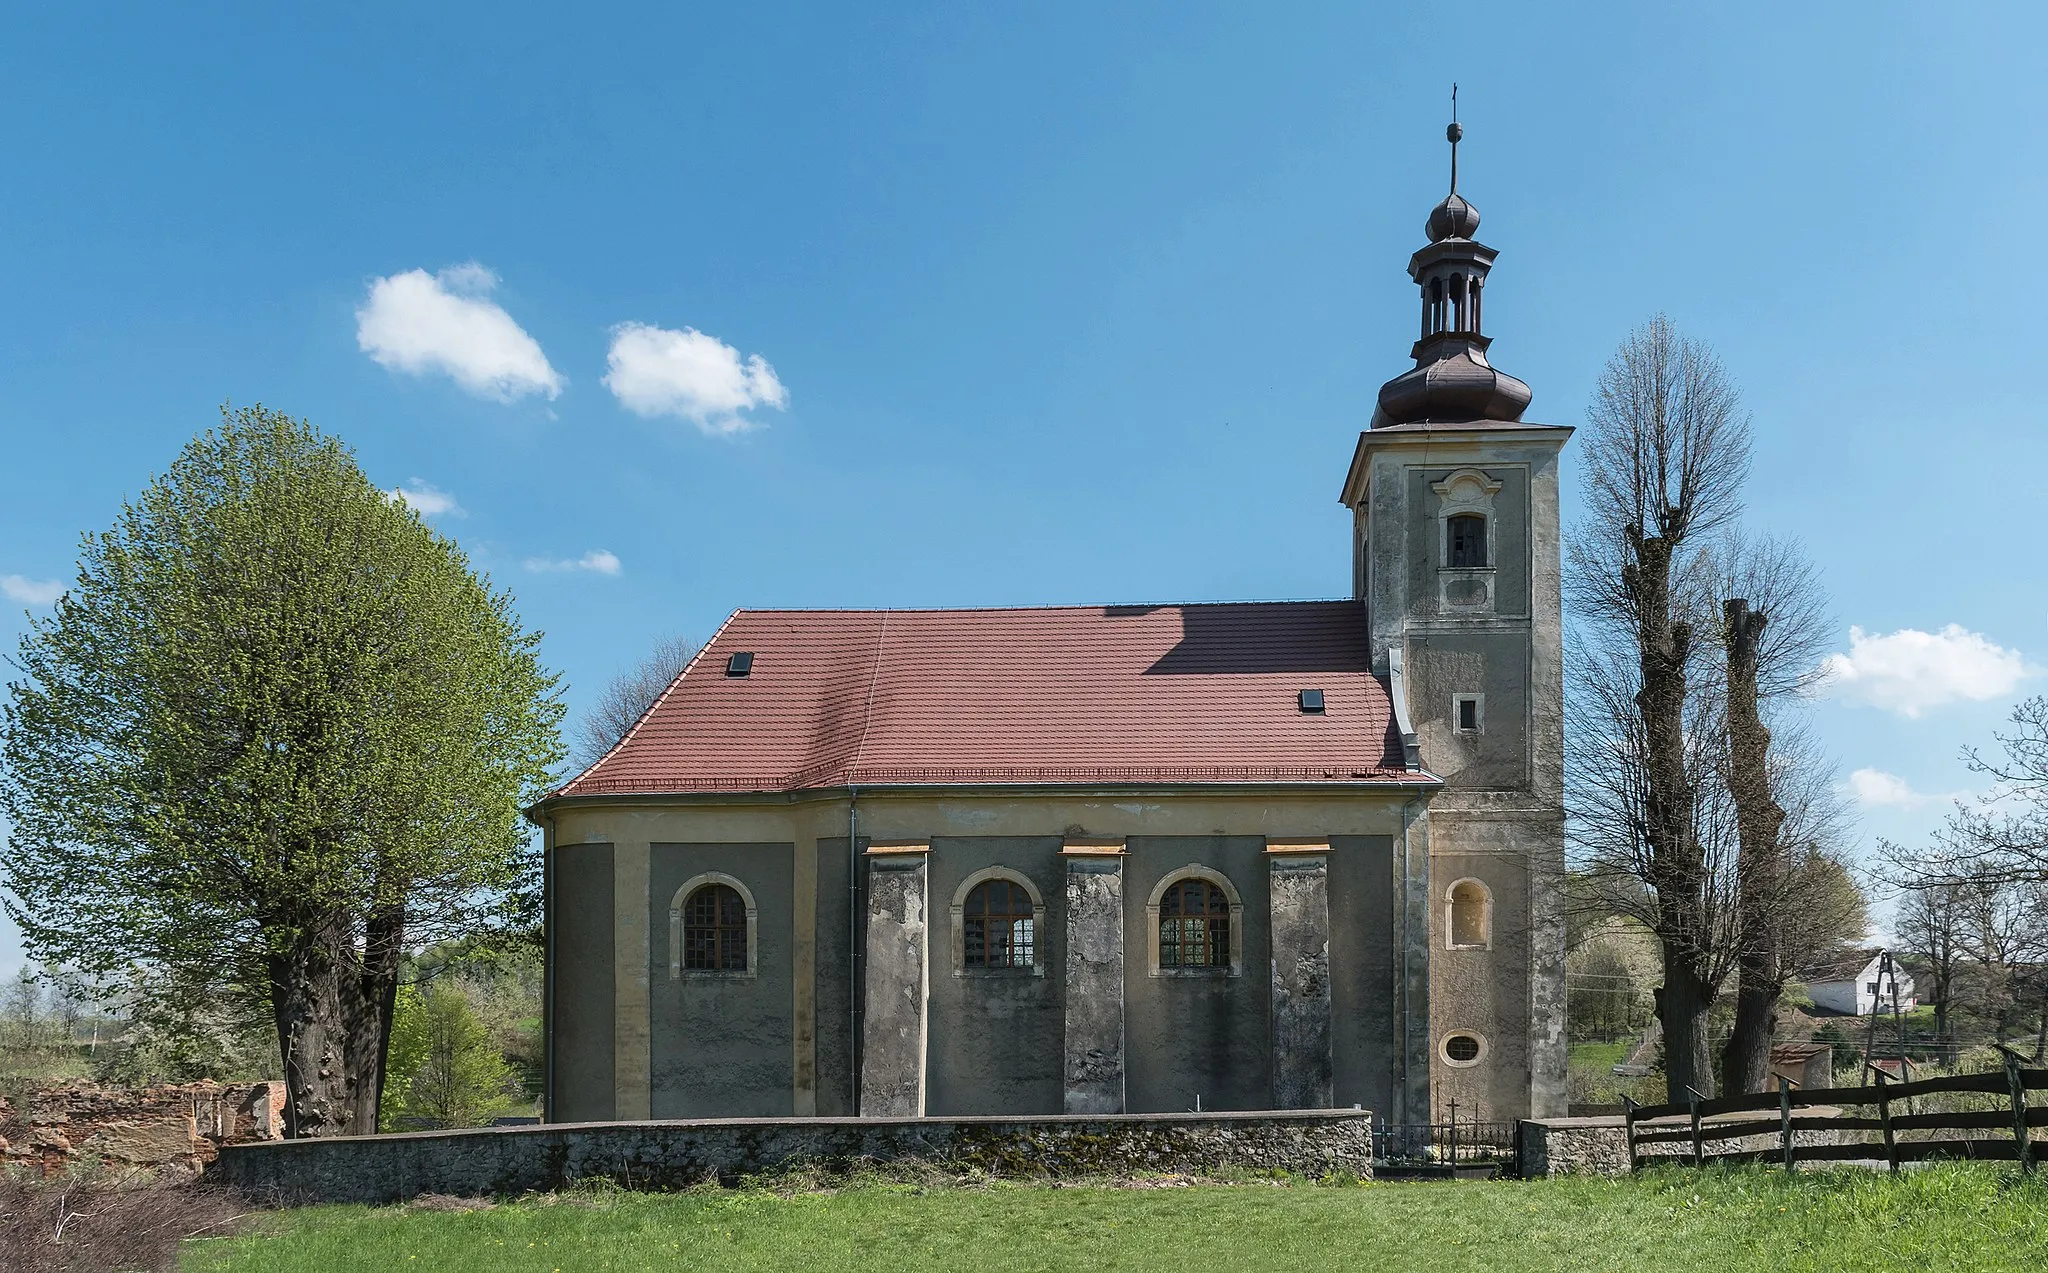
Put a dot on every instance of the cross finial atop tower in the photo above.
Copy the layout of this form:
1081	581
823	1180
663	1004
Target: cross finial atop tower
1455	133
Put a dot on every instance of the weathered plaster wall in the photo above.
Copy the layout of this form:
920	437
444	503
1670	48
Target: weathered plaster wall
1094	1070
1509	533
1298	884
1484	992
582	933
1505	784
721	1042
894	1018
596	1021
996	1035
1362	972
511	1160
841	940
1493	664
1202	1033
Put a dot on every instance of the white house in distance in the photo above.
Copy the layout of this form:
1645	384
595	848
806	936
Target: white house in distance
1858	983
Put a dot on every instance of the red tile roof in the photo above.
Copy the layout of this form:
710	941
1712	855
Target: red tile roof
1059	695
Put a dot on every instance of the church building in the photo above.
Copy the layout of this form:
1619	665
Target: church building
1111	858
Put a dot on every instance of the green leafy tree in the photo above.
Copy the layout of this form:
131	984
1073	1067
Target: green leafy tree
276	733
405	1056
457	1075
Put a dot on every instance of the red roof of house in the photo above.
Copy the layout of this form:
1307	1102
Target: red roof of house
1068	694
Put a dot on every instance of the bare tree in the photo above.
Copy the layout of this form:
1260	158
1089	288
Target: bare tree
1933	925
2001	837
628	697
1774	634
1665	457
1981	889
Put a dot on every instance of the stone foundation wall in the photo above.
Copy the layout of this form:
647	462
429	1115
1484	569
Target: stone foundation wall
1599	1146
171	1131
668	1155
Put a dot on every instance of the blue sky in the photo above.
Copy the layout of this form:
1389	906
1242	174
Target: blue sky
1053	302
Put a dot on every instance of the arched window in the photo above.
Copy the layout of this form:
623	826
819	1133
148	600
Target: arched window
1467	540
715	930
1468	919
1194	926
999	926
711	928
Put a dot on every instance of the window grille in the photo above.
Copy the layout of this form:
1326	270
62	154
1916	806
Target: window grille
1194	926
997	926
715	930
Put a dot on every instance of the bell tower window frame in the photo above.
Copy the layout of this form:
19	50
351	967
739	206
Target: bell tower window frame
1464	495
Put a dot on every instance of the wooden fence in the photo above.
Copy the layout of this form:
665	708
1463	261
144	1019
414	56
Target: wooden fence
1697	1141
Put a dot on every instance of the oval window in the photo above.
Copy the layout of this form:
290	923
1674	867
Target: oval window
1462	1049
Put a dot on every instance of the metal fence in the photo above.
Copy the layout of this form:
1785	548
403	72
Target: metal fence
1453	1142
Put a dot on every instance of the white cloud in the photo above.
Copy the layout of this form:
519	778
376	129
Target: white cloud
31	592
655	371
597	561
1874	788
1910	671
426	499
418	322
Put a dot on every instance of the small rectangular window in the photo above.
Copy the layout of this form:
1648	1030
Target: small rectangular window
1468	714
1312	701
739	664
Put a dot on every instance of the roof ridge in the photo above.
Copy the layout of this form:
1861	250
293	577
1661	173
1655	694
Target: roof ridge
1061	605
867	715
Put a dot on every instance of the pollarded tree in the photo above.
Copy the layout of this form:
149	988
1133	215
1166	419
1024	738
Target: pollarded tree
276	732
1665	455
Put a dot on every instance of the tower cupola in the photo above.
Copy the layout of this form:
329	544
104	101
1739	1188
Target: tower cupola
1451	380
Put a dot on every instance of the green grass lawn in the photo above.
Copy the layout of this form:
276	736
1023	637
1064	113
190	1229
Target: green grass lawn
1943	1219
1600	1056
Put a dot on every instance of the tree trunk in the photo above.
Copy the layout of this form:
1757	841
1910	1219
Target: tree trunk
1759	869
1682	1004
1941	984
383	948
1677	870
333	1009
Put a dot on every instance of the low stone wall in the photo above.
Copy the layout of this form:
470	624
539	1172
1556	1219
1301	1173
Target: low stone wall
1571	1146
668	1155
171	1131
1599	1146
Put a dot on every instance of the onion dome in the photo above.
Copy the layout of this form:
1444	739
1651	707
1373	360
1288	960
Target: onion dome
1454	218
1458	384
1452	382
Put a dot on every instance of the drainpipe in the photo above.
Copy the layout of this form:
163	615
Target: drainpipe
547	944
1401	985
853	987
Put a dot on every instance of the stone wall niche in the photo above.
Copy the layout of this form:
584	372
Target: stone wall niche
1300	892
892	1067
1095	977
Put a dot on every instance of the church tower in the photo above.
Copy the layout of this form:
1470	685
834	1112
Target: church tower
1457	558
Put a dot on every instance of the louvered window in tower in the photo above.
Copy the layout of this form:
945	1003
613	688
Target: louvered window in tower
1467	534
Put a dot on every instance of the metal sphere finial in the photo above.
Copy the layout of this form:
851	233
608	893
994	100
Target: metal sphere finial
1455	133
